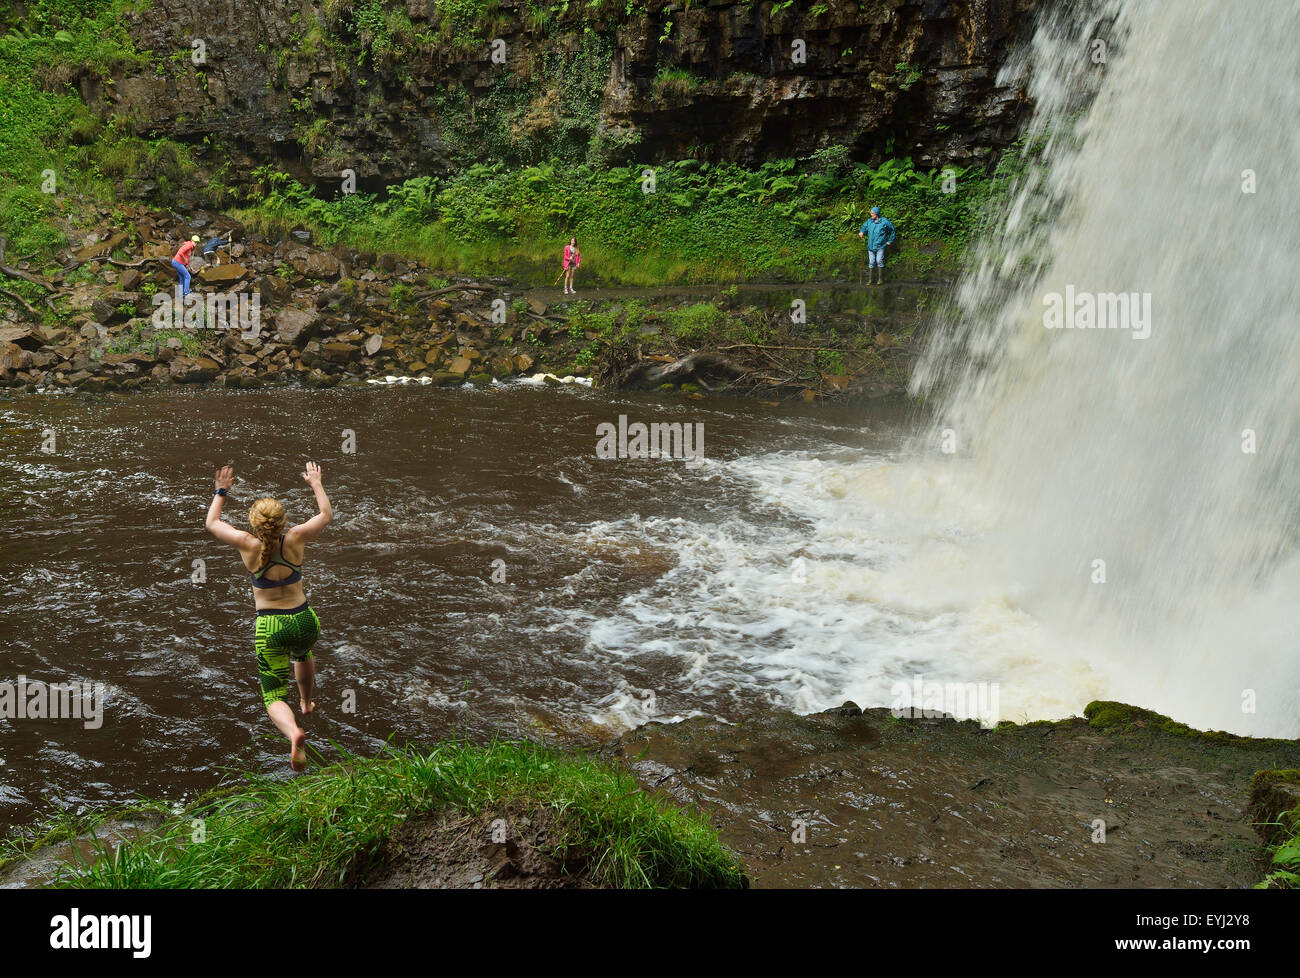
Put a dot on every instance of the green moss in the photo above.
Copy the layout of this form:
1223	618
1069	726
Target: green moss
1265	779
1112	717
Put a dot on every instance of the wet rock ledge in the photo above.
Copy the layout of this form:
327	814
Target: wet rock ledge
888	802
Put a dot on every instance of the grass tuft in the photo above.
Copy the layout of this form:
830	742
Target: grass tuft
312	831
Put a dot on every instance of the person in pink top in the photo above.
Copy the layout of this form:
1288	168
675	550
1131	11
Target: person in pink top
572	259
181	262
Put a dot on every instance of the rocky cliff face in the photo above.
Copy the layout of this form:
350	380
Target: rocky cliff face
392	90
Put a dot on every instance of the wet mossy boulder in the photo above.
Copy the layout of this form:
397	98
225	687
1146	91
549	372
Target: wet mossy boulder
1111	717
1275	803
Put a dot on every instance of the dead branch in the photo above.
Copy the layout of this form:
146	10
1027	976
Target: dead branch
22	302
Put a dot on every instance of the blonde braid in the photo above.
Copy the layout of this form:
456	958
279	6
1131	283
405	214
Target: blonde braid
267	518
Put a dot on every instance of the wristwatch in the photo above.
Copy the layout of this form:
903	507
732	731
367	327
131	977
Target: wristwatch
220	492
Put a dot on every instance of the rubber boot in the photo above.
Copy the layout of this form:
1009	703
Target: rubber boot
880	275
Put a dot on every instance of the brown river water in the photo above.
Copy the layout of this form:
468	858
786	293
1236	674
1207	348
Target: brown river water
633	589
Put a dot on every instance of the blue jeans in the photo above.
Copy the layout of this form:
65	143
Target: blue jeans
874	258
184	275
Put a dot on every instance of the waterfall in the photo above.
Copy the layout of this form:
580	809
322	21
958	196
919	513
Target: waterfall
1143	473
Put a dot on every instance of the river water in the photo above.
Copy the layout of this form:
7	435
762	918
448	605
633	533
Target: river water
633	589
487	573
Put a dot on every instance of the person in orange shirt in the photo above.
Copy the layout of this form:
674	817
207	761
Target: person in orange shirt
181	262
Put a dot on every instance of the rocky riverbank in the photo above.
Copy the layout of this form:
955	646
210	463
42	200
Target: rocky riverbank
1121	797
280	310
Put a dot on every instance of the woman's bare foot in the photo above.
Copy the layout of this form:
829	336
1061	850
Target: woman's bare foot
298	752
306	707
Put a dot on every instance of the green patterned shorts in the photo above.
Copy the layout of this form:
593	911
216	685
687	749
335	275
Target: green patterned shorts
281	636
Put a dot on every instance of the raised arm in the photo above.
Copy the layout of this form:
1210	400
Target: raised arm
314	526
215	525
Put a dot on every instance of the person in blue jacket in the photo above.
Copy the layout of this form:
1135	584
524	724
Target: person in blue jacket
878	233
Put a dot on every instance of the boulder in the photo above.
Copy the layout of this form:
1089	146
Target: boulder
373	344
129	362
99	249
294	327
339	352
316	264
13	357
318	378
104	311
274	290
193	370
27	337
242	377
460	366
219	274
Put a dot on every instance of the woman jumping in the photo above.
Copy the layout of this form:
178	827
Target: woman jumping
572	259
287	627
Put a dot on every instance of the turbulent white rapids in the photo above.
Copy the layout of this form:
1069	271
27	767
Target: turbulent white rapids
1119	518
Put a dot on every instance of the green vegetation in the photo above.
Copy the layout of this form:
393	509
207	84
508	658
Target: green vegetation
906	75
520	122
702	222
316	830
695	322
1285	847
1120	717
558	169
142	336
674	82
50	142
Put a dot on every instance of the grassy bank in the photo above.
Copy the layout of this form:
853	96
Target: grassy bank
315	830
686	221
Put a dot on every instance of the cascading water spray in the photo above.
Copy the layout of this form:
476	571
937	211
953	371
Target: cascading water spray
1144	472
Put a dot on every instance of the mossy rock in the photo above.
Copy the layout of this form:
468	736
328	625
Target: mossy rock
1275	803
1112	717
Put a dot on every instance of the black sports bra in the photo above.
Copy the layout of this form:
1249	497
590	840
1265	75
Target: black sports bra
264	582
